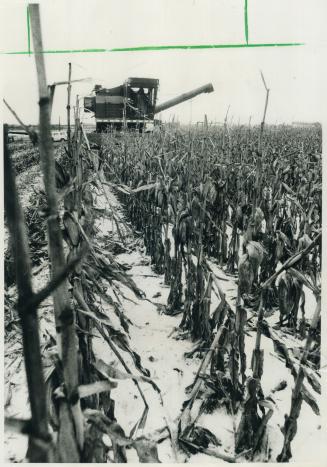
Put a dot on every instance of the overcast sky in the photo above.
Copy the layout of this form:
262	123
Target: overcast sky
295	75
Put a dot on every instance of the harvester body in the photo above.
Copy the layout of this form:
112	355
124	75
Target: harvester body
132	105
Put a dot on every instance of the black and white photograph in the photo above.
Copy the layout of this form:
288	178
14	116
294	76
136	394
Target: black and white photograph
163	231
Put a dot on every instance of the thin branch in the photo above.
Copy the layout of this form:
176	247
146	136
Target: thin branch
31	133
263	80
264	113
60	83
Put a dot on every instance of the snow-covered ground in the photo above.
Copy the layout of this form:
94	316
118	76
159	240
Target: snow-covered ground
154	337
151	339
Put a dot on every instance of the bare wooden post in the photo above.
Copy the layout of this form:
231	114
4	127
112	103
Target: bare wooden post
69	87
259	151
225	127
248	134
65	320
52	89
205	123
264	113
77	159
39	437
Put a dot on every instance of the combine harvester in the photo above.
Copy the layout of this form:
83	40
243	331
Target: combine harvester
132	105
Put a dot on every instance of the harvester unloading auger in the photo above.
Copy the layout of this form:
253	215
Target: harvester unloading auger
133	105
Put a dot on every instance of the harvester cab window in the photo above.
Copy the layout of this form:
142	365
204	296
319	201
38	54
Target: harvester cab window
142	104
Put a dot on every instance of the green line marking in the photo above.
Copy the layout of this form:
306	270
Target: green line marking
146	48
162	47
246	25
204	46
63	51
28	30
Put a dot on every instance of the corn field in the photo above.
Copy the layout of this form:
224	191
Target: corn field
162	291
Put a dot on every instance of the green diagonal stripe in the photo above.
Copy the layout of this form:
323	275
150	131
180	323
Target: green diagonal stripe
28	30
204	46
162	47
246	26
